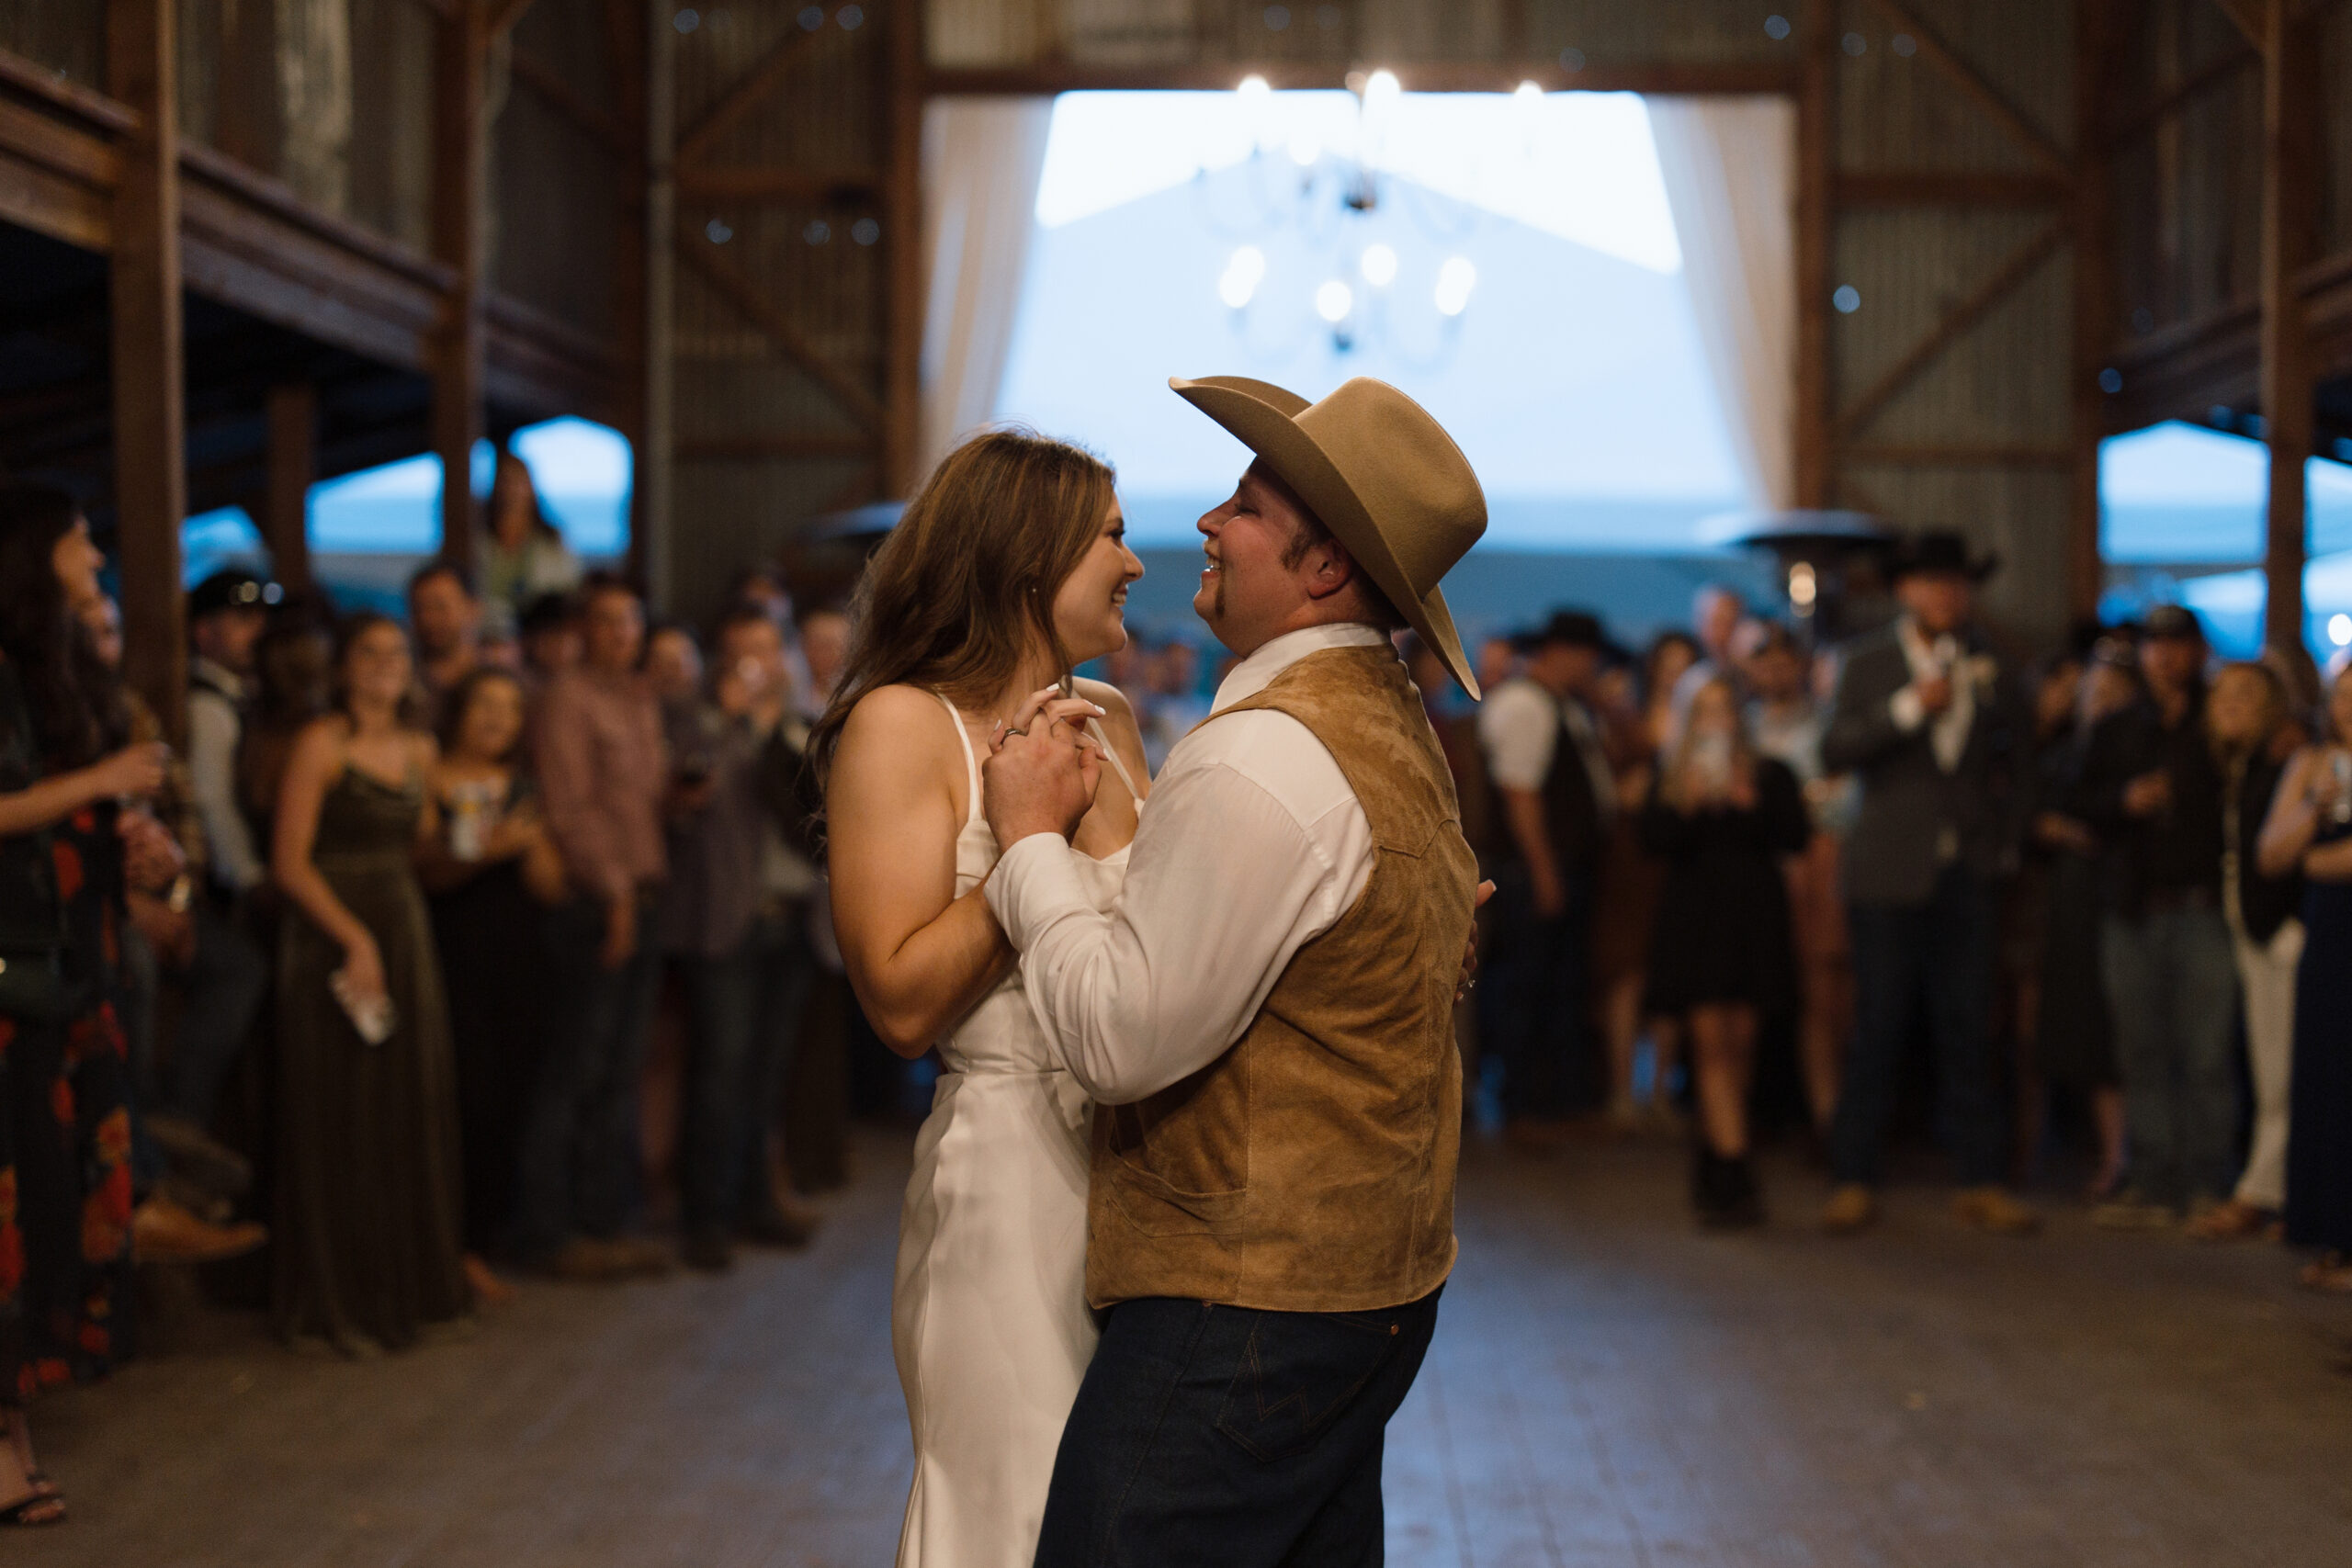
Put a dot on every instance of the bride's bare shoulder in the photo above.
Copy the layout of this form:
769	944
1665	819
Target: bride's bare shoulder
895	723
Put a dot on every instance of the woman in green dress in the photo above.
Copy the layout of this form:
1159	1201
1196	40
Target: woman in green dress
369	1254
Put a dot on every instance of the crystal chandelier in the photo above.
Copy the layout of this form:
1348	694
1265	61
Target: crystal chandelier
1334	196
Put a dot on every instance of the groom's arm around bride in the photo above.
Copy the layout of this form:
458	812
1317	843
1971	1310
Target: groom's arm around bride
1266	1012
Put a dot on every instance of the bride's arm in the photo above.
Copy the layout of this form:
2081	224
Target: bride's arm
918	956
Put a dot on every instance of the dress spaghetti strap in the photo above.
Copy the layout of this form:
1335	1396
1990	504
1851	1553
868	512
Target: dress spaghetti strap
1094	727
971	761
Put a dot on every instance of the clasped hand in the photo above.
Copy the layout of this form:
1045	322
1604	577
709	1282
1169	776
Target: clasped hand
1042	769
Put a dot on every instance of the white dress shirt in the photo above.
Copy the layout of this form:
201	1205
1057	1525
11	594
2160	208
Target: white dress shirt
1943	657
1250	846
1519	729
1519	725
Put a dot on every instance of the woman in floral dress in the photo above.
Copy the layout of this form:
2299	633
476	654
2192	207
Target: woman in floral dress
65	1196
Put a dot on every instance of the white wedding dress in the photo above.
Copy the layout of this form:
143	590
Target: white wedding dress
989	1319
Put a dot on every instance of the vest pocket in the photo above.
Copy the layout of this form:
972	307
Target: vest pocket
1299	1372
1158	1207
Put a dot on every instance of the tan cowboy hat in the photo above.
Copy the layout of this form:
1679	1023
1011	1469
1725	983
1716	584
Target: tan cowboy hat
1382	475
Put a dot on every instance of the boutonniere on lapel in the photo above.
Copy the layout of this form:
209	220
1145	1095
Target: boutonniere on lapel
1980	671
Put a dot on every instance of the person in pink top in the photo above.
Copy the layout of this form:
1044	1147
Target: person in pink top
602	770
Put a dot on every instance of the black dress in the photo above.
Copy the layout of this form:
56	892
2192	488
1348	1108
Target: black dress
2073	1038
492	936
368	1251
65	1198
1722	931
2319	1154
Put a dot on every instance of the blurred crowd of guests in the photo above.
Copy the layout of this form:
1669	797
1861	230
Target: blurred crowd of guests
2106	895
469	941
451	945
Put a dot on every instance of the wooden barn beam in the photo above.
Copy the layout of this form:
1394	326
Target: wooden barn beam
748	91
2291	169
1816	217
747	299
557	95
1926	455
1976	86
2093	302
1678	78
2004	279
781	444
2250	17
148	363
625	45
1948	188
292	463
902	238
2181	94
803	187
460	347
651	511
508	12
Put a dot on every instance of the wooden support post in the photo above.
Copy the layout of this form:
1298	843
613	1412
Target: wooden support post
149	369
2290	163
626	34
2094	307
293	464
1817	161
650	536
903	239
460	346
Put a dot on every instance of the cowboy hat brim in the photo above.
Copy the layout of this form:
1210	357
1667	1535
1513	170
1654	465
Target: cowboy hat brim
1264	417
1976	568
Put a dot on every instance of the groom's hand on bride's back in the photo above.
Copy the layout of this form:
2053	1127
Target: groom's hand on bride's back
1042	769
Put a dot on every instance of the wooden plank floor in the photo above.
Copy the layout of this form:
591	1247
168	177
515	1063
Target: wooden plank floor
1607	1387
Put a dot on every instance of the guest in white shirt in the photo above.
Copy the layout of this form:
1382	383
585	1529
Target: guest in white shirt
1556	798
227	613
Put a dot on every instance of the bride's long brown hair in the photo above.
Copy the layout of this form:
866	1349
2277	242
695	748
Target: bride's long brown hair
952	598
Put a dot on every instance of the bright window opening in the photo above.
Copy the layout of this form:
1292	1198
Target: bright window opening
1518	273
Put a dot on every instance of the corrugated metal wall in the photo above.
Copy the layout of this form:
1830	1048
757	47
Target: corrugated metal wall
2001	385
67	36
780	304
2188	186
1999	389
560	158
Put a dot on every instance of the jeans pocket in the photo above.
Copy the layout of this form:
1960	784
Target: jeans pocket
1299	1372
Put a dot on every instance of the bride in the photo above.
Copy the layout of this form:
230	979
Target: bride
1010	569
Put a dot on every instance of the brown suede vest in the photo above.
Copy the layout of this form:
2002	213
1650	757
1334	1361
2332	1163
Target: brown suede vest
1310	1168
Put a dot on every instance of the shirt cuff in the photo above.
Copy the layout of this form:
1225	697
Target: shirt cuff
1906	708
1034	885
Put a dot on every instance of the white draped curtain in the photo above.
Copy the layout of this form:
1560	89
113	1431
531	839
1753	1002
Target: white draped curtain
981	159
1730	170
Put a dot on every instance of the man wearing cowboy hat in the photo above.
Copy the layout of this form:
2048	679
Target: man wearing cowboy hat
1924	718
1266	1014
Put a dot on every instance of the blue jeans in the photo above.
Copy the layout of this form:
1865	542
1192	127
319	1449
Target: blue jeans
2172	983
580	1157
1218	1435
227	979
1937	957
746	1010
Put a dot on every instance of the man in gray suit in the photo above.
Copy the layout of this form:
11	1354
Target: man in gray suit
1936	735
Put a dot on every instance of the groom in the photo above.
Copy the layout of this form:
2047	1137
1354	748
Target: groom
1267	1014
